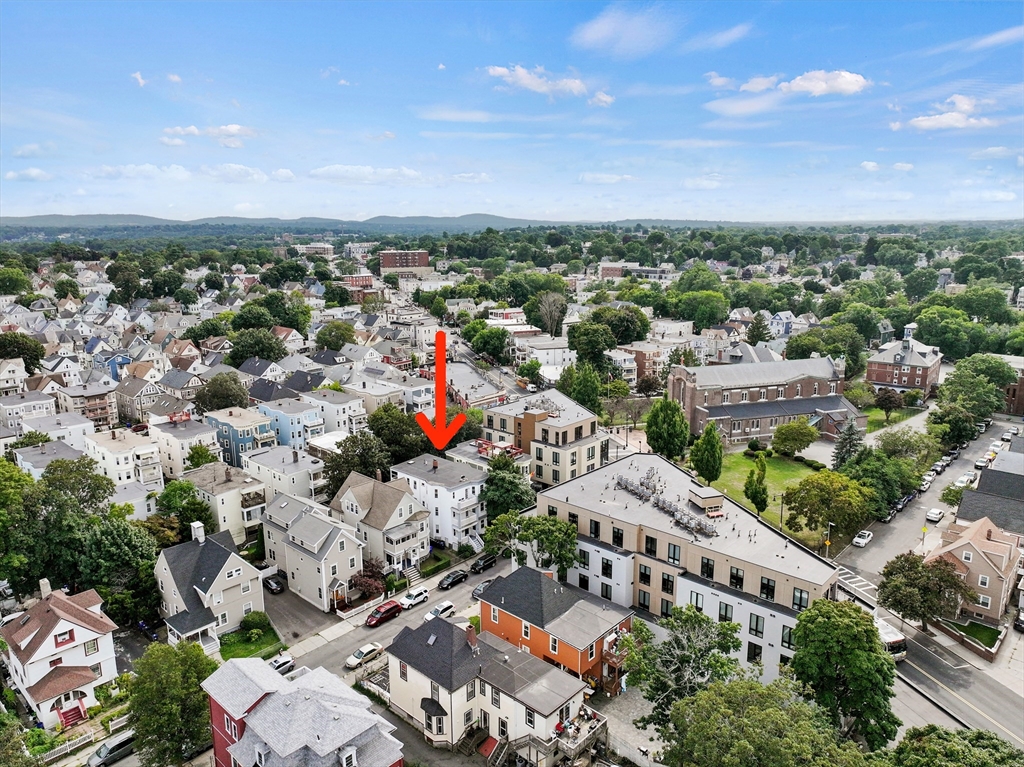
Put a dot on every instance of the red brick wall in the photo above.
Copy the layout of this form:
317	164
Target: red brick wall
222	738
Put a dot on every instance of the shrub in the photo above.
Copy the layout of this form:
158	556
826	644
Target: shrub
754	444
255	620
475	622
435	567
799	459
749	453
465	551
768	453
40	741
10	699
93	710
254	635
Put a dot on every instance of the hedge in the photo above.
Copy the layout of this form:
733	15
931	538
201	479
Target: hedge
799	459
442	563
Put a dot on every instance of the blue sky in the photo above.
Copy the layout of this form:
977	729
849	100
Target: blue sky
567	111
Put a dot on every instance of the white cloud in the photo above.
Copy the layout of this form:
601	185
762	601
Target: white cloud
35	150
365	174
601	99
983	195
902	166
869	166
233	173
79	192
717	81
441	67
229	136
29	174
820	83
454	115
385	136
625	33
245	207
169	141
144	171
741	106
282	174
758	84
174	78
603	178
1004	37
707	181
958	115
344	82
325	73
718	39
191	130
472	178
138	78
992	153
537	80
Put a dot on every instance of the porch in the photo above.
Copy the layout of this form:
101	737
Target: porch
205	637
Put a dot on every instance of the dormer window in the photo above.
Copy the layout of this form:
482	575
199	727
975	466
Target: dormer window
64	637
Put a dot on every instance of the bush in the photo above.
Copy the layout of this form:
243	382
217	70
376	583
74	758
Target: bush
465	551
754	444
750	453
255	620
40	741
435	567
475	622
254	635
768	453
10	699
107	719
799	459
93	710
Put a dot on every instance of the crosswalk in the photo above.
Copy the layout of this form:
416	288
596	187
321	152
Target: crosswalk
857	586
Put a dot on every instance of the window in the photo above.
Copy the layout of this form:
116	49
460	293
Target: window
724	612
434	690
736	578
984	601
645	575
591	452
606	591
530	718
815	390
673	554
800	599
556	458
56	662
967	556
644	600
552	511
584	559
617	536
554	645
798	388
725	398
502	728
526	630
495	697
92	647
540	454
743	397
494	614
574	519
707	568
762	395
667	583
753	652
595	529
787	637
697	600
556	475
666	608
222	619
591	651
247	587
651	546
64	637
757	625
606	568
439	725
768	589
403	671
983	581
780	393
737	425
259	758
247	607
584	582
233	573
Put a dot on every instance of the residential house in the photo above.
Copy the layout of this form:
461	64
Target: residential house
999	492
625	363
205	588
480	452
1015	391
36	458
340	411
287	470
69	428
236	500
254	367
16	407
135	396
95	400
387	518
241	431
126	457
649	358
469	388
318	553
781	323
58	652
168	407
177	437
294	421
180	383
291	338
905	365
451	493
310	718
12	376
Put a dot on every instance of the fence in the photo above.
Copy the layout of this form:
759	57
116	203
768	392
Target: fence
361	609
630	751
66	748
117	724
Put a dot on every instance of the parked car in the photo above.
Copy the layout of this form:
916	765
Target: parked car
1018	622
953	454
481	587
946	461
929	476
925	485
1007	436
273	585
485	562
990	456
364	654
995	447
863	538
938	467
935	515
965	479
981	463
1014	430
383	613
282	663
414	597
455	576
441	610
114	750
889	515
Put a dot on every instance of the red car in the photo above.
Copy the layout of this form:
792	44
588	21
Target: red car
383	613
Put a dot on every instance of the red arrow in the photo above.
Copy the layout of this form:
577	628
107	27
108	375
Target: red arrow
439	434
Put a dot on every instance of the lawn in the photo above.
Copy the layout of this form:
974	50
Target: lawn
986	635
237	644
876	418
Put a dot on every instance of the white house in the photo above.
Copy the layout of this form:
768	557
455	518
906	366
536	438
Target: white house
69	428
284	470
12	376
176	438
126	457
15	407
340	411
235	498
451	493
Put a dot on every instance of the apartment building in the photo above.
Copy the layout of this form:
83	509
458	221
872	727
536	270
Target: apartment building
318	553
95	400
68	428
405	262
16	407
450	492
12	376
241	431
235	498
624	362
340	411
905	365
286	470
177	437
36	458
126	457
561	436
135	397
1015	391
651	536
649	358
294	421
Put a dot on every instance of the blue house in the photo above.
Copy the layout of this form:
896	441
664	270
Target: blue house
294	421
113	362
241	431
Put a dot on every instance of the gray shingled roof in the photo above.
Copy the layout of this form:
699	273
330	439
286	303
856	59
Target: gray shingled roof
194	566
241	682
779	407
763	373
447	659
1006	513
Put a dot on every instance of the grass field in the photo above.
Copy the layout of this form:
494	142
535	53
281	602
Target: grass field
876	418
237	644
984	634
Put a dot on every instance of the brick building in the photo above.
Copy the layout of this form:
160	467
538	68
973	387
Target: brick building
402	262
905	365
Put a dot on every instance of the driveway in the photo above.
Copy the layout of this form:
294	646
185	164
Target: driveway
293	617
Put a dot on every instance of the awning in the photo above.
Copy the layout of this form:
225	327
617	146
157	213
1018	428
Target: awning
432	708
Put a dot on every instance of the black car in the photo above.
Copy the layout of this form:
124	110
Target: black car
1018	622
455	576
273	585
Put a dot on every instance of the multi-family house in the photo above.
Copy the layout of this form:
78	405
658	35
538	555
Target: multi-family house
12	376
469	388
126	457
310	718
241	431
340	411
561	436
450	683
176	437
650	536
236	500
29	404
58	652
649	357
254	367
205	588
480	452
291	338
287	470
36	458
560	623
95	400
988	559
294	421
320	554
387	518
623	362
905	365
180	383
135	396
451	493
69	428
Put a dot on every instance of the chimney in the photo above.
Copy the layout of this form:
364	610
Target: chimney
231	413
295	456
227	473
44	588
198	533
988	534
434	470
471	639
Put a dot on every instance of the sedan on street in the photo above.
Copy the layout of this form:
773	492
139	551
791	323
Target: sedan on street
364	654
282	663
981	463
863	538
925	485
935	515
481	587
455	576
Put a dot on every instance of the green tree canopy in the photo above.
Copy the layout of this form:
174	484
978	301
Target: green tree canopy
221	391
794	436
758	331
14	344
586	388
755	489
505	489
494	342
205	329
335	334
363	452
920	590
199	455
531	371
848	443
888	401
399	431
667	429
935	746
255	342
828	496
706	456
590	340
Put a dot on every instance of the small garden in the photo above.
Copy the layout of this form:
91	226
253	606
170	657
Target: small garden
254	637
876	417
984	635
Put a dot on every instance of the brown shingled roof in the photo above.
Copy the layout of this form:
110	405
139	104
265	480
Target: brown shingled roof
44	616
59	681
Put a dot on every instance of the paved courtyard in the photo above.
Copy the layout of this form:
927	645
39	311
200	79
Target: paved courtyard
294	618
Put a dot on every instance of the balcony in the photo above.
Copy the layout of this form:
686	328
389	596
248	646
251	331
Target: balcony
317	481
253	499
149	459
265	438
572	738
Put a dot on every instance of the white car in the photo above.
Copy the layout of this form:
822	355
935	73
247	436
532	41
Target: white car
925	485
1007	436
863	538
995	447
966	479
929	476
441	610
414	597
364	654
935	515
1014	430
282	663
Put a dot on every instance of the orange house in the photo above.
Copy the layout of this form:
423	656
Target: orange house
564	625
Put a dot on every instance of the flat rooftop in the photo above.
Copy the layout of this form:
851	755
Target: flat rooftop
288	405
449	473
561	410
739	532
217	477
331	396
238	417
183	429
121	440
285	459
48	423
40	456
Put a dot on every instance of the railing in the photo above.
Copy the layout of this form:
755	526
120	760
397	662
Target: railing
116	724
66	748
253	500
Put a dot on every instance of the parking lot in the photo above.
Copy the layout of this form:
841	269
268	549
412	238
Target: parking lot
293	617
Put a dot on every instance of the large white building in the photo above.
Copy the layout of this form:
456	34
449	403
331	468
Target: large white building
69	428
284	470
176	438
126	457
451	492
15	407
340	411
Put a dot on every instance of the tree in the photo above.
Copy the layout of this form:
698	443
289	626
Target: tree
696	653
952	495
706	456
648	385
888	479
912	397
974	392
399	431
505	489
888	400
551	307
186	297
590	340
113	553
259	343
918	590
14	345
586	388
755	488
531	371
221	391
31	439
168	709
13	751
757	330
494	342
336	293
627	324
935	746
503	534
952	424
841	659
861	395
551	542
199	455
363	452
906	442
667	430
945	327
173	497
828	496
470	331
849	441
990	367
920	282
742	721
205	329
252	315
635	410
13	281
370	580
65	288
617	388
165	282
335	334
566	380
794	436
